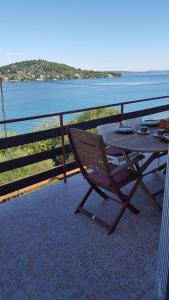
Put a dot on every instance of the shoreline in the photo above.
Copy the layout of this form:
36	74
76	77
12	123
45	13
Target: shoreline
61	79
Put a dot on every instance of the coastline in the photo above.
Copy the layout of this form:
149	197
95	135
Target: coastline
60	79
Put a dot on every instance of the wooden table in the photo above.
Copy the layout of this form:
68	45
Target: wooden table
139	143
136	142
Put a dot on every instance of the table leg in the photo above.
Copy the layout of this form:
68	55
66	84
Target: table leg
149	195
148	161
144	166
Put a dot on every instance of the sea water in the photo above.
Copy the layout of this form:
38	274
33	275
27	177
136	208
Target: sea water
23	99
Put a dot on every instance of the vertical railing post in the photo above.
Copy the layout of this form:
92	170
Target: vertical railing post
63	147
3	108
122	112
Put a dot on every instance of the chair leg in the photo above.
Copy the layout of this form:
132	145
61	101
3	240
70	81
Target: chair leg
100	192
117	220
130	206
126	204
104	195
84	199
133	209
126	198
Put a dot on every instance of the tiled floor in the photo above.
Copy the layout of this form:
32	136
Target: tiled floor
47	252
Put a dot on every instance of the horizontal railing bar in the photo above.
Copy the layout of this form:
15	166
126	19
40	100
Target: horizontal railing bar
146	112
23	161
34	179
117	118
35	117
16	163
27	138
94	123
53	153
53	133
114	104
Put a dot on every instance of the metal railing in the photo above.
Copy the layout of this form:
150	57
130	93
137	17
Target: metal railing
60	132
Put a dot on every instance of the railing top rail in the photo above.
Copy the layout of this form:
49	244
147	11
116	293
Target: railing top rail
35	117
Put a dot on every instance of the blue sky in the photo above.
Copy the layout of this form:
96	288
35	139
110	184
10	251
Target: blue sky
90	34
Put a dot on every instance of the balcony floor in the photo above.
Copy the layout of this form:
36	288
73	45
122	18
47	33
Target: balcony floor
47	252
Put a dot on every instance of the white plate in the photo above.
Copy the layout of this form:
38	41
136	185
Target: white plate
150	123
143	133
125	129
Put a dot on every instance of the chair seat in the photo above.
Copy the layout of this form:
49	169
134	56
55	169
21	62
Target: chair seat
110	150
101	180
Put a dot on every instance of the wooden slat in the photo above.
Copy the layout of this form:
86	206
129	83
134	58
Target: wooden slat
28	138
94	123
117	118
115	104
146	112
28	160
32	159
89	149
23	139
56	114
36	178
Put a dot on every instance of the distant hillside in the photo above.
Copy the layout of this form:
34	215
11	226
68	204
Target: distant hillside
45	70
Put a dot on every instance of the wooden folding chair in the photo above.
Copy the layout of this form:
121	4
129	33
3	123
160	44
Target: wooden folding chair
89	152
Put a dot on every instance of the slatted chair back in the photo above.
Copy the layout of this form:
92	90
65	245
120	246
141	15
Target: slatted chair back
89	150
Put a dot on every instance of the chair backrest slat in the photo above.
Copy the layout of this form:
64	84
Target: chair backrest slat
89	150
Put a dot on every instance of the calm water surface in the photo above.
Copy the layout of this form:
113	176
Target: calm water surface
30	98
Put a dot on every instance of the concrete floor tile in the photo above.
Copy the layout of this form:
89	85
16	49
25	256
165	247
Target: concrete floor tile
56	254
34	263
12	242
37	291
53	288
19	295
8	283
